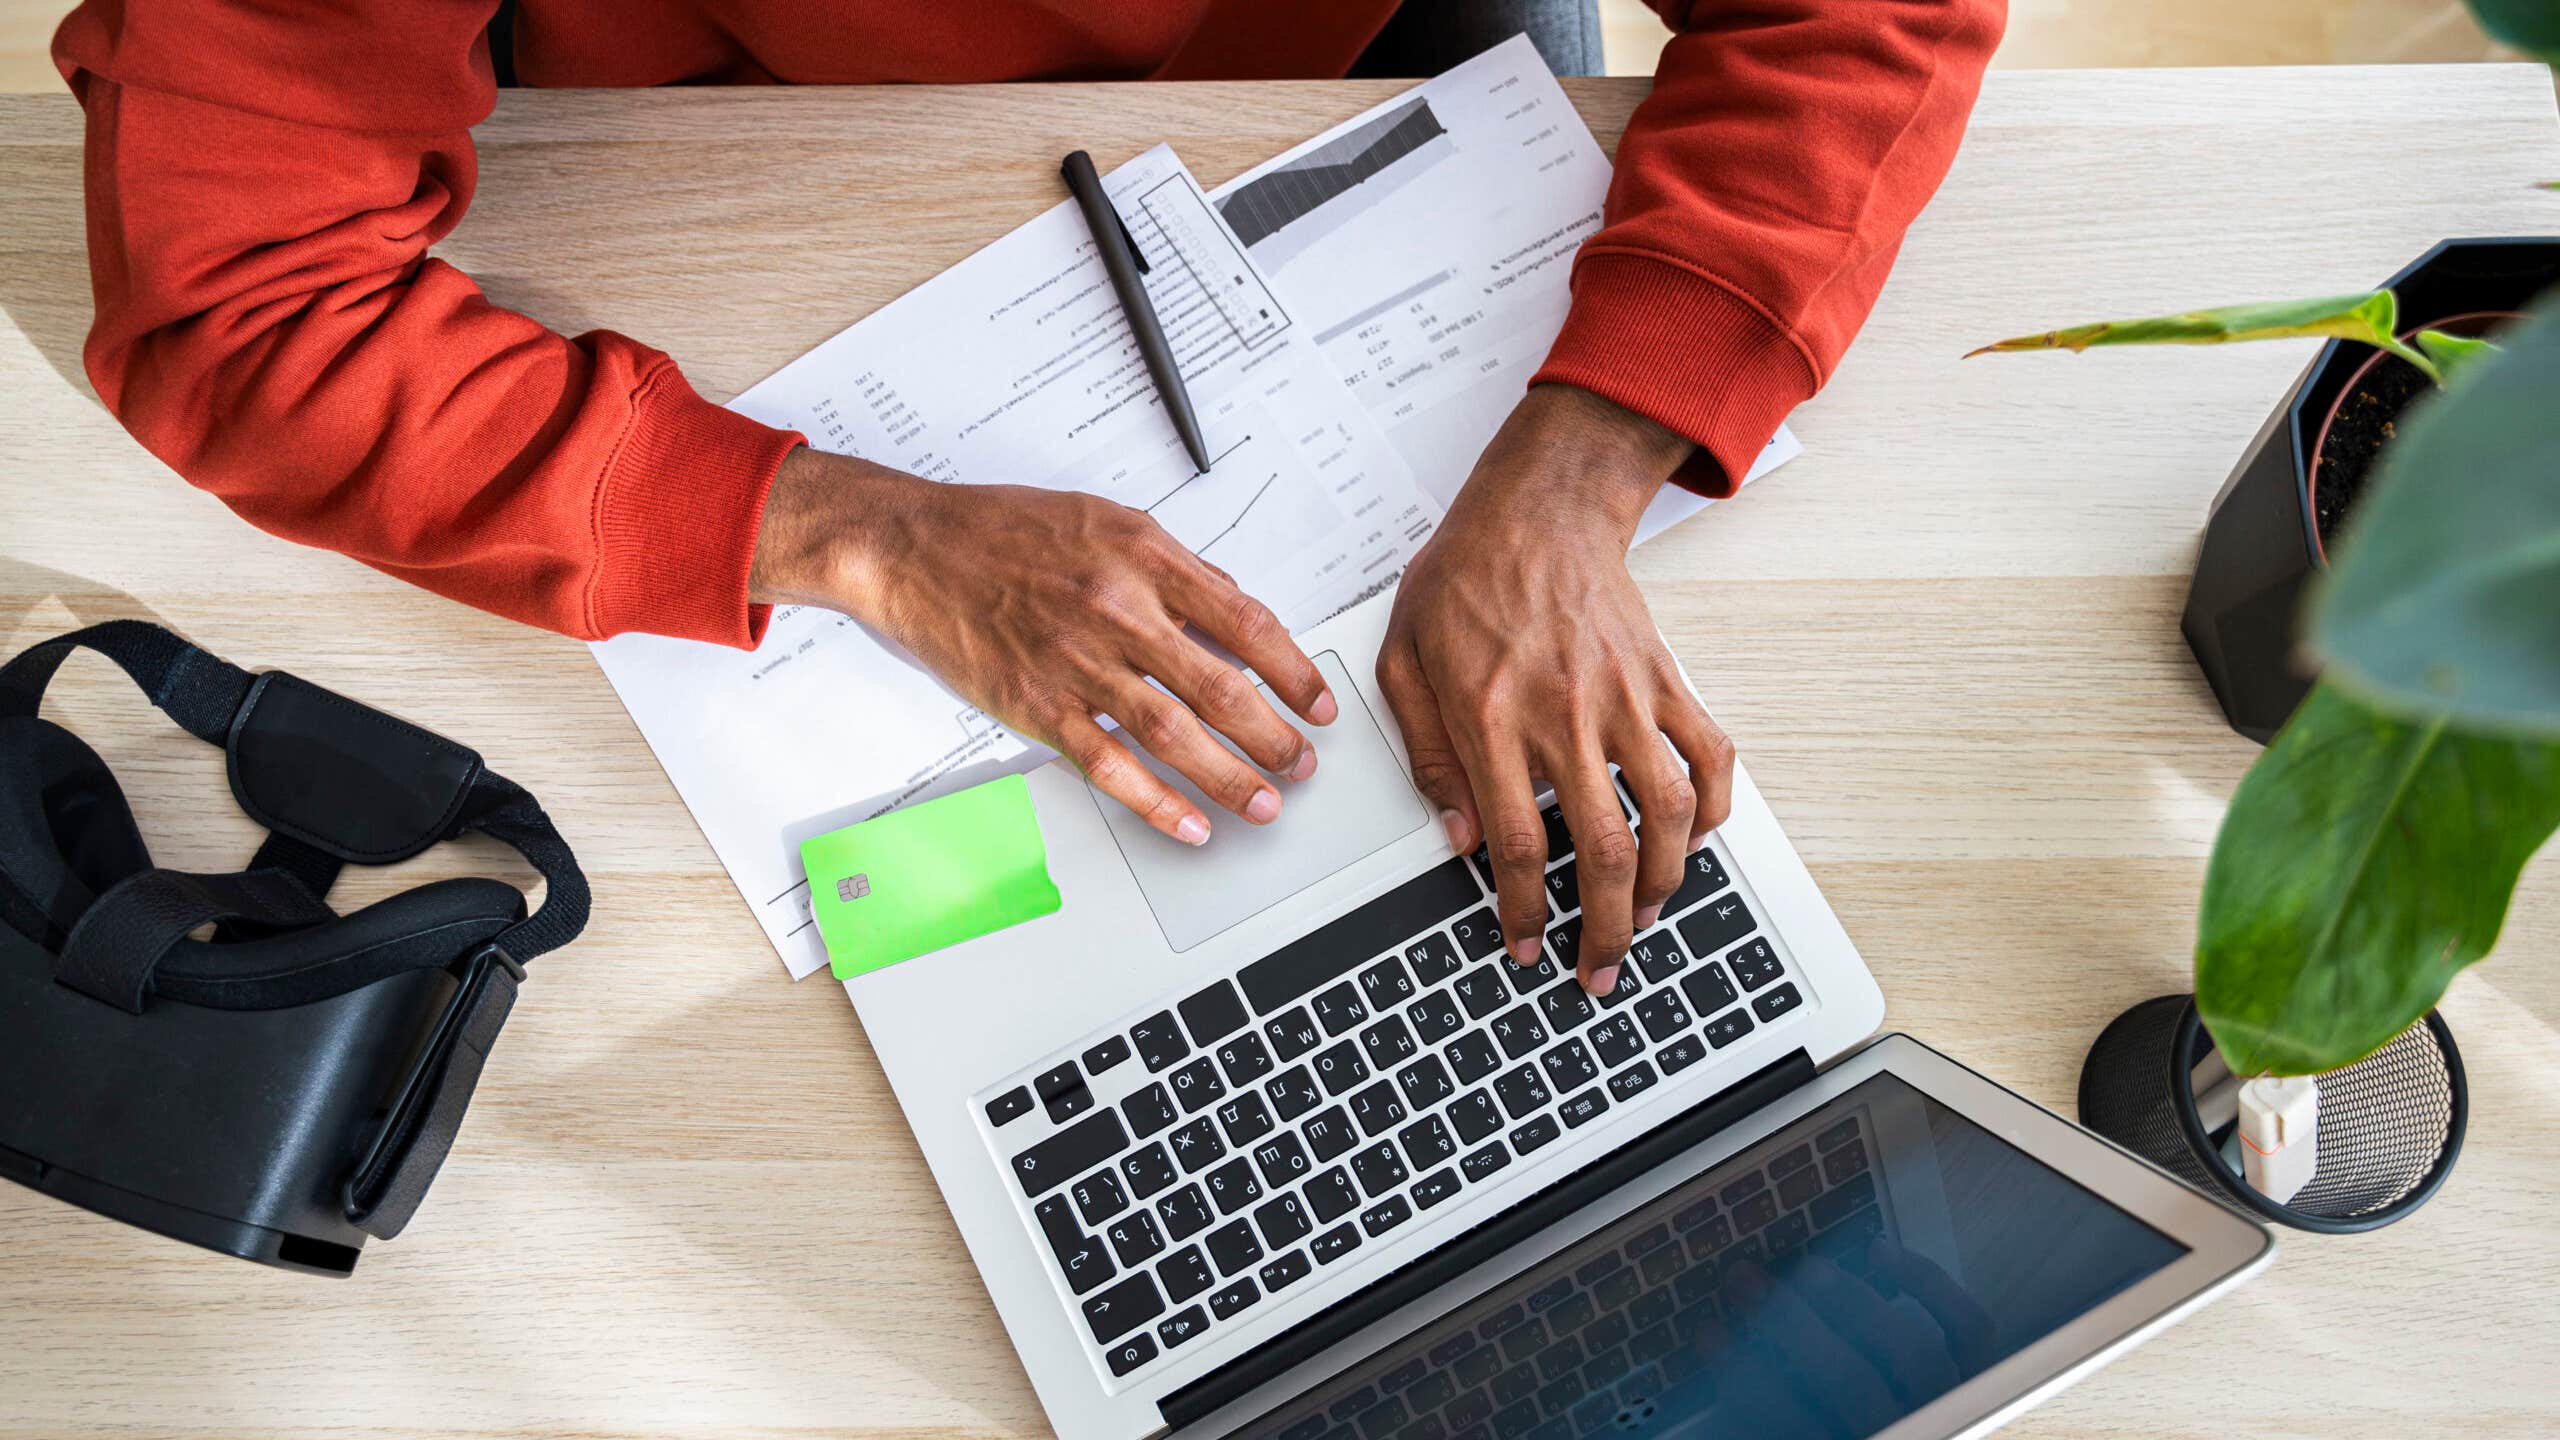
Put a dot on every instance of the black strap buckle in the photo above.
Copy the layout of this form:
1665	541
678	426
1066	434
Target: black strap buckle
384	1190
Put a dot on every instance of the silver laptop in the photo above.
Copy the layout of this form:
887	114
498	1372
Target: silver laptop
1271	1138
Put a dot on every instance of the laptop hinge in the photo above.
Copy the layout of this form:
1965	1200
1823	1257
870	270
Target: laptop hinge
1456	1256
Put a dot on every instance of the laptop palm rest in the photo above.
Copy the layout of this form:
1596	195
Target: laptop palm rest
1356	804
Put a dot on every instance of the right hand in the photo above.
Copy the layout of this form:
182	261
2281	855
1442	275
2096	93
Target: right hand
1046	609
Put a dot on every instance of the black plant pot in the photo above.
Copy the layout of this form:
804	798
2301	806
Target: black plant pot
2261	543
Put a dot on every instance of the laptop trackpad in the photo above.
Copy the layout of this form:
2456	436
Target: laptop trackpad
1357	802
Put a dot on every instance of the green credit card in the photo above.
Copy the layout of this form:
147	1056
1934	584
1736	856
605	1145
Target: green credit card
928	876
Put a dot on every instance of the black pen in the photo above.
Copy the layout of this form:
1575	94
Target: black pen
1120	258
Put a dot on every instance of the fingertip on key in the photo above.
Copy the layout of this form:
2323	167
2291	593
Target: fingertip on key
1324	710
1524	952
1602	980
1263	808
1306	765
1192	830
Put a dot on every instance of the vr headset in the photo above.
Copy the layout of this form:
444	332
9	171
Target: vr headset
286	1084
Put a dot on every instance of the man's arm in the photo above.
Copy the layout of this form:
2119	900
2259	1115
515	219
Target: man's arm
1761	193
263	185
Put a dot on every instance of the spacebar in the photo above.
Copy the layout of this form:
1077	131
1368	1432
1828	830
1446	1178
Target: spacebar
1339	946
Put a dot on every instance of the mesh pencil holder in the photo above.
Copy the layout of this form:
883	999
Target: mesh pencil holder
2390	1124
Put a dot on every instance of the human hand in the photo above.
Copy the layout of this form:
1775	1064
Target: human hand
1046	609
1520	650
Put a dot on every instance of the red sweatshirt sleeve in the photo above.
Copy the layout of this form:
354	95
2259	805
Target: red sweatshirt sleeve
263	184
1761	192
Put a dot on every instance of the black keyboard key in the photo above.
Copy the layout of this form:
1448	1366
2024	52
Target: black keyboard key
1435	1017
1728	1027
1631	1082
1748	1185
1123	1308
1244	1058
1336	948
1379	1168
1070	1152
1662	1015
1286	1271
1701	877
1182	1326
1562	890
1707	989
1245	1118
1482	1163
1792	1161
1536	1133
1839	1165
1081	1257
1105	1055
1838	1135
1473	1057
1629	985
1283	1160
1427	1142
1331	1196
1329	1133
1197	1146
1479	934
1293	1092
1680	1054
1135	1238
1233	1186
1384	1216
1283	1222
1389	1043
1333	1244
1425	1083
1231	1301
1293	1032
1339	1009
1009	1106
1528	980
1580	1110
1131	1353
1482	864
1716	924
1062	1090
1185	1212
1832	1205
1658	954
1518	1032
1213	1014
1433	958
1387	984
1159	1041
1754	964
1569	1066
1798	1187
1233	1247
1481	991
1099	1196
1186	1273
1149	1110
1522	1091
1475	1116
1770	1004
1616	1040
1564	942
1197	1084
1559	835
1340	1067
1149	1170
1376	1108
1754	1211
1565	1007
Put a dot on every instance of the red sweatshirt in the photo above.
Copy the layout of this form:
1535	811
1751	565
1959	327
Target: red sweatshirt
265	183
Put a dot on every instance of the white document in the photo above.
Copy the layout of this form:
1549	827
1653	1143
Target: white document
1427	244
1017	366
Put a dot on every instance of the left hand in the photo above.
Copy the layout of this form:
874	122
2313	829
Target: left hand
1520	650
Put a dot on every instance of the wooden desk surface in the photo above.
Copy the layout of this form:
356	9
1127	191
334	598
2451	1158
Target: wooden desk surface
1945	640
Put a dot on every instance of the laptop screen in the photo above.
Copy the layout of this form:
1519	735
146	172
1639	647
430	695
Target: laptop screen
1828	1281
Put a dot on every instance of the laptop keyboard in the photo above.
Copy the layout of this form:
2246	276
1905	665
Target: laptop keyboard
1194	1161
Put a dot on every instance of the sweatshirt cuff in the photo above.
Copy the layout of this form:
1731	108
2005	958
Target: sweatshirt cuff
1685	351
677	515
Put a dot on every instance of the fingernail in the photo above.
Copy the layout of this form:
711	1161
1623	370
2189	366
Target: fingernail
1454	825
1646	916
1525	951
1323	711
1192	831
1306	765
1263	808
1602	981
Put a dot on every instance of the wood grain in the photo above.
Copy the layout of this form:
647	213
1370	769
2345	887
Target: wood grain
1945	639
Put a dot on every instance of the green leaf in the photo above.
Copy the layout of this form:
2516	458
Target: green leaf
2365	860
2444	593
2371	317
2452	352
2532	26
